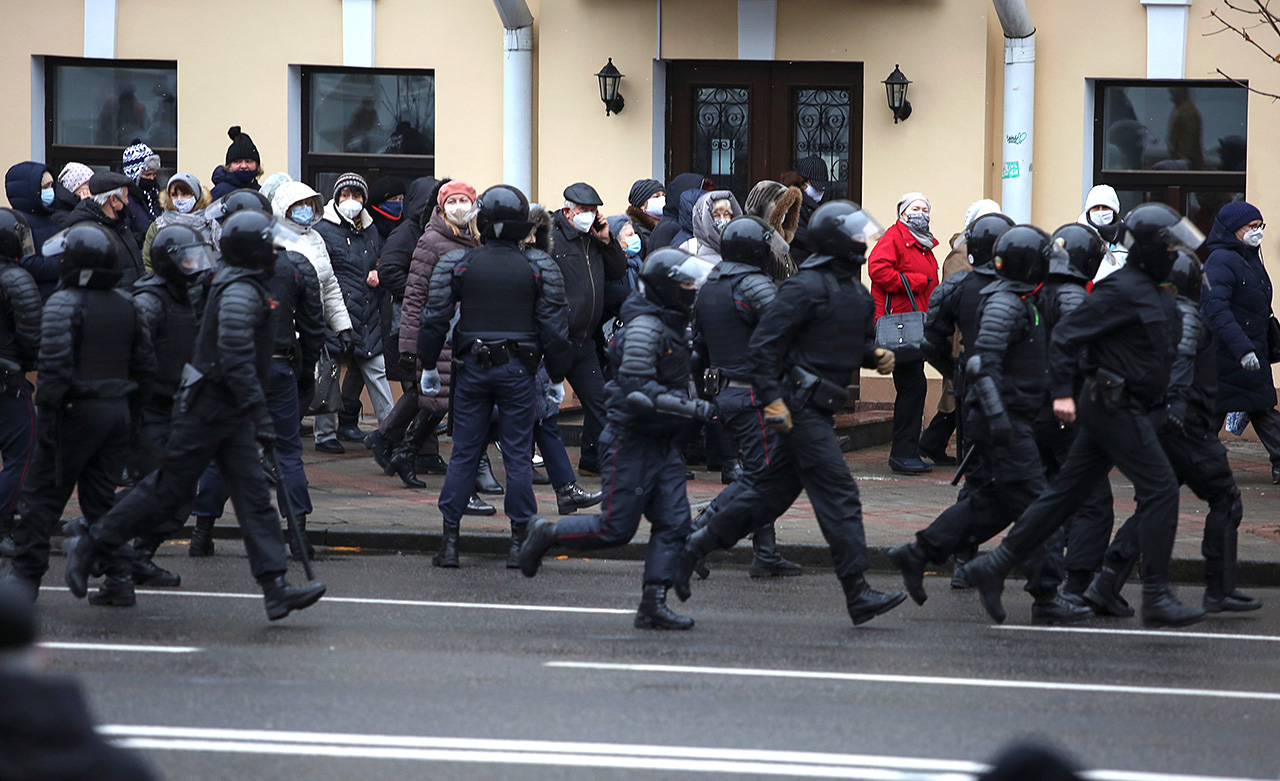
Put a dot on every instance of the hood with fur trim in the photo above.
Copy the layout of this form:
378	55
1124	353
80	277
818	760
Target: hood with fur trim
541	219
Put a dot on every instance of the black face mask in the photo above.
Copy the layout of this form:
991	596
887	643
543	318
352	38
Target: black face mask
687	299
148	184
1109	233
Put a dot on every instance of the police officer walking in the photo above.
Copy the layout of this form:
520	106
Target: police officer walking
512	315
221	415
1126	332
649	405
810	340
96	366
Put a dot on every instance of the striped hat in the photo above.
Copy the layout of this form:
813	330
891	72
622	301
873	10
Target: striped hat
351	180
138	158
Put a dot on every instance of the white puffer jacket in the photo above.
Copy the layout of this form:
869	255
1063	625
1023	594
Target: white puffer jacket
335	309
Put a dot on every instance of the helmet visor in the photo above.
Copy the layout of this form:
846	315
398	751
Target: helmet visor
861	227
286	236
694	270
55	245
193	258
1181	235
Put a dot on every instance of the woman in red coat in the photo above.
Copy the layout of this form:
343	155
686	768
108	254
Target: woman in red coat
905	252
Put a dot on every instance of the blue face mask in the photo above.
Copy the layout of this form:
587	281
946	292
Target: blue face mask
244	178
393	208
632	247
302	214
46	196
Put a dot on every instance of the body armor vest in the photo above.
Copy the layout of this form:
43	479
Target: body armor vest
104	324
174	339
726	333
498	292
1025	362
8	333
207	358
832	341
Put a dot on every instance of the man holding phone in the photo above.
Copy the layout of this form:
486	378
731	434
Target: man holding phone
588	256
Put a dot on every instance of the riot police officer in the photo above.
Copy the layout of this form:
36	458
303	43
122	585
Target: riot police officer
96	366
221	415
1126	331
811	339
1190	440
728	307
648	406
512	314
1006	376
20	308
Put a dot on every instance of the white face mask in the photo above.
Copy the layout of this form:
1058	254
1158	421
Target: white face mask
350	209
1102	217
1253	238
583	221
184	205
813	192
459	213
655	205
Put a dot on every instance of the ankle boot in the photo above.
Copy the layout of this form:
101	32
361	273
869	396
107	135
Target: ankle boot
766	562
518	533
404	463
117	589
478	506
987	573
294	553
1052	608
1160	608
381	448
959	580
540	537
1078	581
572	497
447	556
910	559
145	572
1103	594
1218	600
865	603
486	483
282	599
696	548
349	421
653	612
201	537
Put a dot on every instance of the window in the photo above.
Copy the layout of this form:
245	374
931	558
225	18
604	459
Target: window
96	108
1179	142
372	121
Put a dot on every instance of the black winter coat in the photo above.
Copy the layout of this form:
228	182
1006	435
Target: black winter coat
1236	305
225	181
130	266
233	349
586	265
20	308
22	187
393	267
665	232
354	254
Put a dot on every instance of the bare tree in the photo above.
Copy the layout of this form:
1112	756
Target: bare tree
1251	20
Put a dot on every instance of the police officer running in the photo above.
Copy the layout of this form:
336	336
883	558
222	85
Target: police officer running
512	315
221	415
810	340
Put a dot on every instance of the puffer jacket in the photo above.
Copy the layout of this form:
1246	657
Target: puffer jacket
22	187
130	265
335	307
437	241
354	253
195	220
1236	305
393	266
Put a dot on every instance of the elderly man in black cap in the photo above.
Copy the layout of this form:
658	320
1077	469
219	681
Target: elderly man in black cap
108	205
588	256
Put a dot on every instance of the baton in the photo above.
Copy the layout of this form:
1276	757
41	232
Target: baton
963	463
295	530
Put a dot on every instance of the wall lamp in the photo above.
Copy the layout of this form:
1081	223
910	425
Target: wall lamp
609	78
896	89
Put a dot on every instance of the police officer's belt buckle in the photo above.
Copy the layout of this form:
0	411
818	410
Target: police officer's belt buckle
490	354
712	382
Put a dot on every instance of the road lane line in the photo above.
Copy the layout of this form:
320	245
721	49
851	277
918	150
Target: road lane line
1139	632
139	649
921	680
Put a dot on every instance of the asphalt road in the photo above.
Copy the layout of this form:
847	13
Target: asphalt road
407	671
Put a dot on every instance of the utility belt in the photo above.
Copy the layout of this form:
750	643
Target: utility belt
13	381
713	382
812	389
499	352
1108	389
288	354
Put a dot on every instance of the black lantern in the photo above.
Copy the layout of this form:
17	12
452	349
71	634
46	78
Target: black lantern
896	88
609	78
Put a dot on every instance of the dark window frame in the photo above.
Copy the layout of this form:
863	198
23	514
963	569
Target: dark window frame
58	155
369	166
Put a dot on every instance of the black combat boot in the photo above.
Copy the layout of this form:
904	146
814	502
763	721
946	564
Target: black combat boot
117	589
201	537
959	581
1218	600
1103	594
540	477
293	544
518	533
766	562
653	612
540	537
1077	583
146	572
699	545
8	549
430	465
381	448
486	483
731	472
1160	608
1051	608
447	556
572	497
478	506
911	561
865	603
282	598
987	573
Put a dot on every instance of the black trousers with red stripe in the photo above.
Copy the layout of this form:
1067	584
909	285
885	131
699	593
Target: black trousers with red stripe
640	476
743	416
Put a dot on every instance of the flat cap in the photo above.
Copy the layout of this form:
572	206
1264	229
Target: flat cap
107	181
582	194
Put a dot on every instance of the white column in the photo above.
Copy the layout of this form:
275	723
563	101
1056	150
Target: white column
1167	38
357	33
1019	126
757	29
100	28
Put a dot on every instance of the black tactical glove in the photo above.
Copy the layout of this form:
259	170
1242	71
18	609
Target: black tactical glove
1175	416
1001	430
264	430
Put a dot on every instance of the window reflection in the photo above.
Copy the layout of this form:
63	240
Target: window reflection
1174	128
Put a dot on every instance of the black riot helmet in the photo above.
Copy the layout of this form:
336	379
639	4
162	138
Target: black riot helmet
237	200
503	214
1187	275
842	229
247	240
1077	251
178	252
667	273
15	236
980	237
747	240
1153	234
1021	257
85	246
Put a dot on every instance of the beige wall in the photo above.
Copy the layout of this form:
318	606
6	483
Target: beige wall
53	28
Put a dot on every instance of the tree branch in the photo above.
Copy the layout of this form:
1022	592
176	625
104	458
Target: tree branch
1246	86
1244	34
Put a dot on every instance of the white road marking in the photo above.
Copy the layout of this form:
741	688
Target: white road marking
1140	632
800	764
922	680
391	602
140	649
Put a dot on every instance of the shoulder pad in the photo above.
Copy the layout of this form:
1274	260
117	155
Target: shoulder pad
538	256
757	289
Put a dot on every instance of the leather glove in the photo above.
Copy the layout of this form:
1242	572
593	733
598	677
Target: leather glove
408	363
705	411
264	430
430	384
347	342
777	416
1250	362
1175	416
555	393
1001	430
885	361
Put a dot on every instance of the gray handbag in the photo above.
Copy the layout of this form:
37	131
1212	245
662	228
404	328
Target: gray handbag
904	332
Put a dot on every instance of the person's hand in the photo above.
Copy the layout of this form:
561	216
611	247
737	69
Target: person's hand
705	411
777	416
555	393
430	385
885	361
372	279
1065	409
264	430
1175	416
1001	430
408	363
347	342
1250	361
600	229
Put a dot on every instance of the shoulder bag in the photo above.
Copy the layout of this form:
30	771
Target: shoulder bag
904	332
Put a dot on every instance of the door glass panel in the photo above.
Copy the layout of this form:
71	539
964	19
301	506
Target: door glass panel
721	118
822	130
